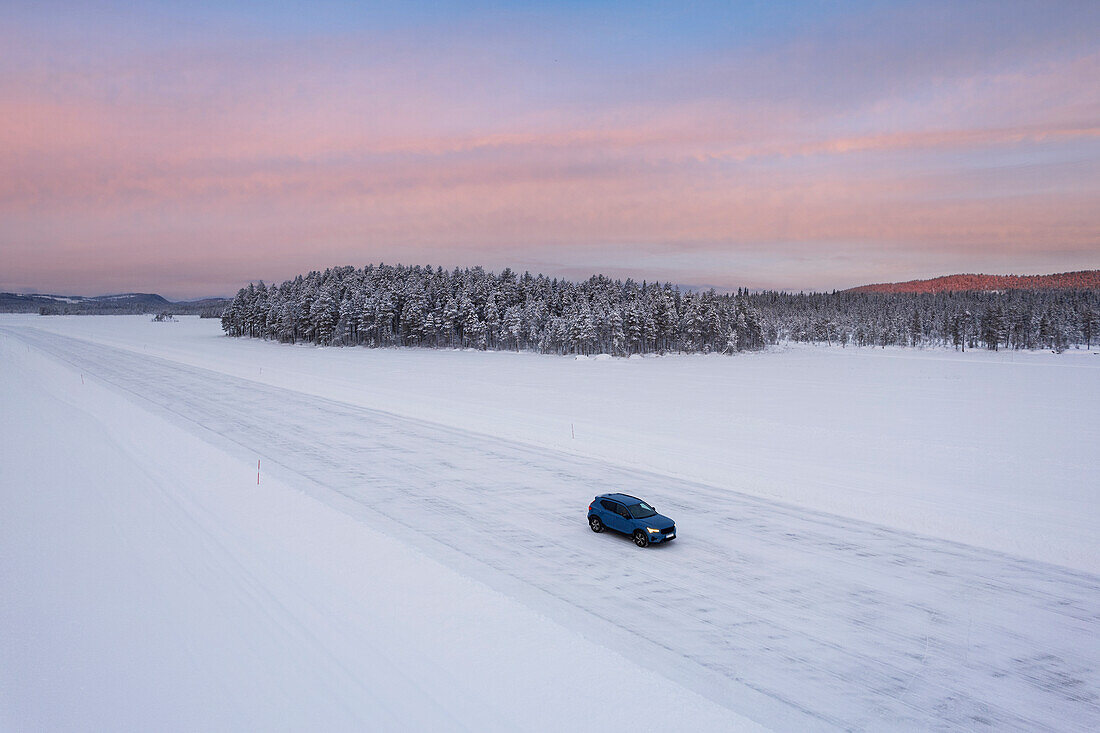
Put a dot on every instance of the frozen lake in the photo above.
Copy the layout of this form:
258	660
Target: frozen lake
868	538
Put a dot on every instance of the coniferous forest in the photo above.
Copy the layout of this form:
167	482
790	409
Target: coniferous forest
1008	319
388	305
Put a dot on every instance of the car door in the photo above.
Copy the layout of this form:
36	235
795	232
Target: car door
614	516
606	511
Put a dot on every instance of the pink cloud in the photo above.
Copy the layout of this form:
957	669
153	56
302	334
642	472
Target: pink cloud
173	162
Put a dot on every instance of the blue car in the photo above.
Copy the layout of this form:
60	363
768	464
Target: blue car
632	516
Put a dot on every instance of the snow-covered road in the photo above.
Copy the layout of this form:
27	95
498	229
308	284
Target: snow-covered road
790	617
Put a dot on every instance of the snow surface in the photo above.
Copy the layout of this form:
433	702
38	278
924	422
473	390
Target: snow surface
996	449
868	539
150	584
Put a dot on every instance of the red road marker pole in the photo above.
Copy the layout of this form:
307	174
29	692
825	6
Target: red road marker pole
257	471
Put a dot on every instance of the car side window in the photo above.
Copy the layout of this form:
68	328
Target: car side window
608	505
623	512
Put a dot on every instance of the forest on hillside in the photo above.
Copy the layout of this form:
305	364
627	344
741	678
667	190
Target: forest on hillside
388	305
107	305
1079	280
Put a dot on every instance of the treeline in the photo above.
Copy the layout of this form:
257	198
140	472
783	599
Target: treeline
387	305
108	305
1012	319
91	309
97	309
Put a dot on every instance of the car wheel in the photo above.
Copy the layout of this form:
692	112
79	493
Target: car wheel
640	539
595	524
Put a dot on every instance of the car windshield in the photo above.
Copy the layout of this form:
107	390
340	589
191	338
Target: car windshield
641	510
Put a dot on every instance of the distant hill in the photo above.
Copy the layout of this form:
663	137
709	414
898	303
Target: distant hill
1082	279
124	303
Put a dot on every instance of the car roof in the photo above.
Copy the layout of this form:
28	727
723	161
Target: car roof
624	498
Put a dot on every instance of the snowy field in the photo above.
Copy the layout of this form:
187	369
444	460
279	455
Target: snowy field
869	539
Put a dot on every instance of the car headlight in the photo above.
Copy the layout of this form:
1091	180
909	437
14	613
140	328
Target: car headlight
651	530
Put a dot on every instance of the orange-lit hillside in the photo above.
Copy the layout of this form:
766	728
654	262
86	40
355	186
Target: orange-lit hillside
1089	279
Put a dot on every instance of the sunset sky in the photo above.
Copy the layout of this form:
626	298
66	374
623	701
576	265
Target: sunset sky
187	148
